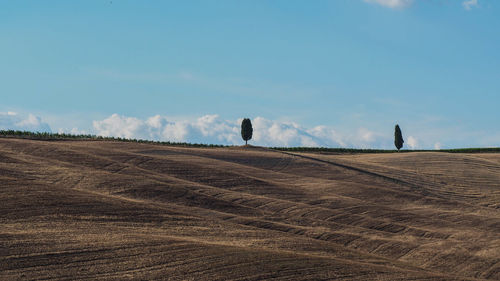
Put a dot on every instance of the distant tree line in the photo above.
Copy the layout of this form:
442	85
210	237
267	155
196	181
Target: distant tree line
62	136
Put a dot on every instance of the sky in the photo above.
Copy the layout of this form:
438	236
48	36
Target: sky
333	73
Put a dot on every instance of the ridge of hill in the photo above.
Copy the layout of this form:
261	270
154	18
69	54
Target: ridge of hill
45	136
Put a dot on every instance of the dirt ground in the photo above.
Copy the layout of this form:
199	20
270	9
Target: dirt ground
86	210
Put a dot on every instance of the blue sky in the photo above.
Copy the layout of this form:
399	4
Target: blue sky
330	73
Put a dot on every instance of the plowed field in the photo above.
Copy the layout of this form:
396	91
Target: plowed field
86	210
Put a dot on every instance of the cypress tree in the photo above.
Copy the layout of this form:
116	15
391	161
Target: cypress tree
246	130
398	138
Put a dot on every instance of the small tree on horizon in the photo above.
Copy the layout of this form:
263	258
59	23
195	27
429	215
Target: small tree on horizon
246	130
398	138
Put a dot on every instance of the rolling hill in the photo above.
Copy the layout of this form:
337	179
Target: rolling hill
85	210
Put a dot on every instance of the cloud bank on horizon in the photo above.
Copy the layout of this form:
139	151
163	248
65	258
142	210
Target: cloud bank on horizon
14	121
211	129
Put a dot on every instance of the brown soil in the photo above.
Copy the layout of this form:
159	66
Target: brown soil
120	211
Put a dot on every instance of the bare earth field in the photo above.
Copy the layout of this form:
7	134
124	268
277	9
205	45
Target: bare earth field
85	210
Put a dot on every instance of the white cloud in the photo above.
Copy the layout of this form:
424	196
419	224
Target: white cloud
120	126
366	135
393	4
412	142
437	146
14	121
213	129
328	135
206	129
469	4
73	131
